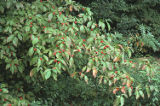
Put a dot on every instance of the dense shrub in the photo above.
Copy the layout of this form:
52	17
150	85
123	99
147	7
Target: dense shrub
127	16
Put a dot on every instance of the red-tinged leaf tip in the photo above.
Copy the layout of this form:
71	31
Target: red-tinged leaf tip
123	90
127	77
54	53
21	98
60	13
114	91
107	46
102	41
35	49
55	60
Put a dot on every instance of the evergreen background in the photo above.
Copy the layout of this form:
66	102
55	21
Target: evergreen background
127	15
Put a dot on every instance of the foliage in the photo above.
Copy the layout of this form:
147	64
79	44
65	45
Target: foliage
53	45
143	42
127	14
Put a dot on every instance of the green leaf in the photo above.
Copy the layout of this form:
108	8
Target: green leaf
109	27
102	25
21	68
50	62
12	69
90	40
62	61
31	51
68	42
93	26
45	57
90	63
19	37
55	76
18	5
66	55
117	101
39	63
130	91
47	73
89	11
86	79
34	60
0	28
129	52
84	68
1	9
137	94
85	18
71	62
15	41
44	9
7	66
50	53
34	30
152	88
3	85
148	91
34	41
50	16
10	38
82	28
89	24
110	82
5	90
71	30
122	101
142	94
27	28
8	4
93	34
